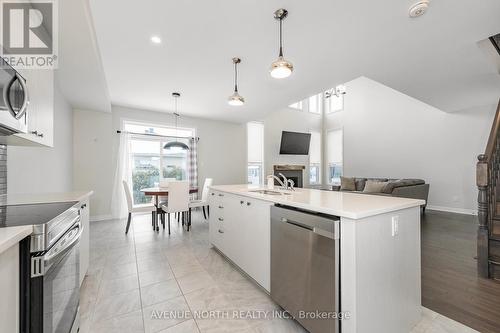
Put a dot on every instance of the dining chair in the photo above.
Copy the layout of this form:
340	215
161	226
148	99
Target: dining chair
165	181
142	208
164	184
203	202
178	201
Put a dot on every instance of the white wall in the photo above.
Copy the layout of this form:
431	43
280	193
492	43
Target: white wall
287	119
40	169
389	134
93	167
221	150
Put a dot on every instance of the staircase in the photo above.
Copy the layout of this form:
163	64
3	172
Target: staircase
488	183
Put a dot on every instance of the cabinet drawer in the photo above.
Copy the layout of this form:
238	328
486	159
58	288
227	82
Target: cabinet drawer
217	236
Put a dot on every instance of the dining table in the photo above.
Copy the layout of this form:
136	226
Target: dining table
157	192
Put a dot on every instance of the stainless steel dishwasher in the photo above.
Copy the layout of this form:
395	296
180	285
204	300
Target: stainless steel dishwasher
305	267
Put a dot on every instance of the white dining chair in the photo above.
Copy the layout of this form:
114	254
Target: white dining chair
165	181
178	201
142	208
203	202
164	184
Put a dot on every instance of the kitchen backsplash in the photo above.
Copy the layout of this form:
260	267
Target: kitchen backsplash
3	169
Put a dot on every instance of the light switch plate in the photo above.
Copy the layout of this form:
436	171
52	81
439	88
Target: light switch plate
395	226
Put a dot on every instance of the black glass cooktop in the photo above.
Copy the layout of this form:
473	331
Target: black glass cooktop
17	215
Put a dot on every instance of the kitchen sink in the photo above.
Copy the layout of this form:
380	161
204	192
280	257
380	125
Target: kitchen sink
270	192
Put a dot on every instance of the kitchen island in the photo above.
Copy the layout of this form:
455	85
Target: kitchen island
378	255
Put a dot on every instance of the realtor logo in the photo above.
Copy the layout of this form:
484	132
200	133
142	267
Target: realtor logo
29	33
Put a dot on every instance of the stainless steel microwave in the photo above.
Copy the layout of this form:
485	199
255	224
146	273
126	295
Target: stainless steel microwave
13	101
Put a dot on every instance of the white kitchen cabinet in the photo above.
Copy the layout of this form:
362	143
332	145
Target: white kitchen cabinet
255	240
240	228
216	220
40	112
9	290
85	239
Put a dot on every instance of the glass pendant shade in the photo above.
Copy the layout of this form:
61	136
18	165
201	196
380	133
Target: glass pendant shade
236	99
281	68
176	145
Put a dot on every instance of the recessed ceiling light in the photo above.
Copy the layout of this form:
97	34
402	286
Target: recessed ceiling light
419	8
156	39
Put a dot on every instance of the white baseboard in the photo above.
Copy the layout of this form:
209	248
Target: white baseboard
453	210
101	218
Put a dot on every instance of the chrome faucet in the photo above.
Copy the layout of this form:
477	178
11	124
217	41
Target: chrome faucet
285	180
278	180
286	184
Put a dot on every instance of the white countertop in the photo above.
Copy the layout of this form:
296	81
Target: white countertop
343	204
10	236
40	198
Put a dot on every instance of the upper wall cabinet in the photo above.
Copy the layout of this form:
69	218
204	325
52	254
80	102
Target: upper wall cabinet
40	83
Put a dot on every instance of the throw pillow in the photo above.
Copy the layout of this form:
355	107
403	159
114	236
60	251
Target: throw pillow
374	186
347	184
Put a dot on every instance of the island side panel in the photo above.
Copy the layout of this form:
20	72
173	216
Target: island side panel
380	273
9	290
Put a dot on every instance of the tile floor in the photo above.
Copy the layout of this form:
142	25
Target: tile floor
153	282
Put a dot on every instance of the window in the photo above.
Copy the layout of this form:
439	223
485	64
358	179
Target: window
315	103
315	158
149	161
335	155
334	103
297	106
255	150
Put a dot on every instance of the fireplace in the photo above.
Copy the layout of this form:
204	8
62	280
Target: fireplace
293	172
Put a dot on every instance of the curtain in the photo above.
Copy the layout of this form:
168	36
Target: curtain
193	162
122	172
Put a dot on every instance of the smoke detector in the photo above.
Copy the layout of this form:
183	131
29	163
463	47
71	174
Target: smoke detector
419	9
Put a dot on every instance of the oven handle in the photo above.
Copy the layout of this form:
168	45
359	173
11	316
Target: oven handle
49	259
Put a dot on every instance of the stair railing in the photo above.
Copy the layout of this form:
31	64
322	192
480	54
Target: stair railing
487	175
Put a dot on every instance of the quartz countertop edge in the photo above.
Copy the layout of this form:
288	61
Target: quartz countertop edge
42	198
342	204
10	236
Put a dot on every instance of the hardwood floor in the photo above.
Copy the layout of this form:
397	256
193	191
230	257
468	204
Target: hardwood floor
450	285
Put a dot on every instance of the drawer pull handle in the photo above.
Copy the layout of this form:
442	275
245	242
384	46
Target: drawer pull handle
212	193
221	219
221	195
248	203
242	202
221	207
221	232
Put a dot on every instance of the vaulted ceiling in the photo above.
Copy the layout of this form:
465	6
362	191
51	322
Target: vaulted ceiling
434	58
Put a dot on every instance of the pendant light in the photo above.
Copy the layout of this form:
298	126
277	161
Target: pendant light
281	68
236	99
176	145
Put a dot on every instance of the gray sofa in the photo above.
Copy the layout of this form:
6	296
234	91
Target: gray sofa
404	188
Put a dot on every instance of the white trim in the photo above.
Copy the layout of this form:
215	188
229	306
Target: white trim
105	217
453	210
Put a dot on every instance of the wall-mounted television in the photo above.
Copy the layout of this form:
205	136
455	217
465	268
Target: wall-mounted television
294	143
